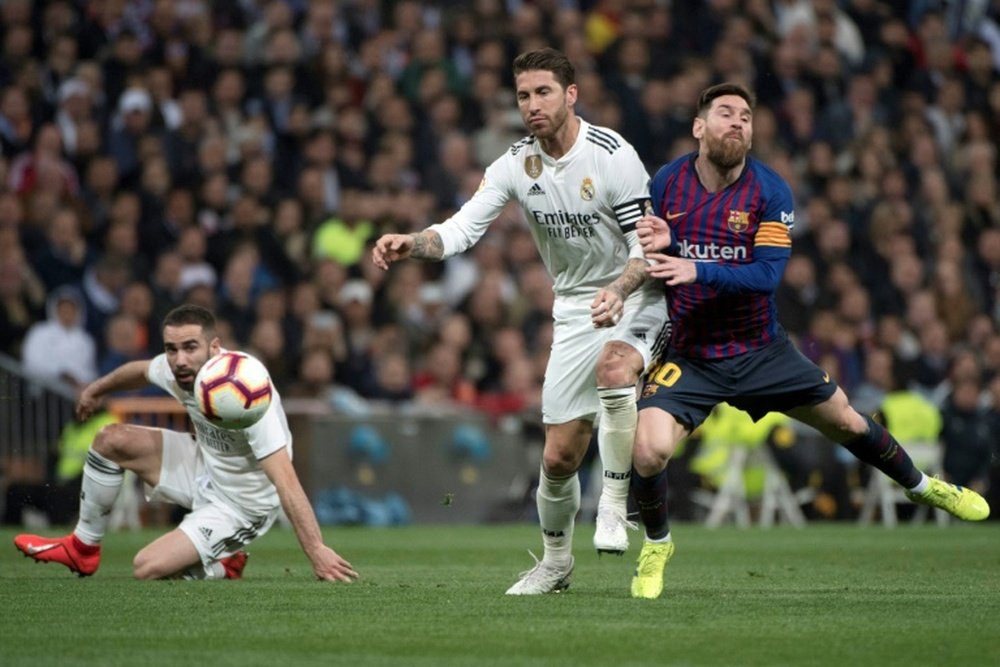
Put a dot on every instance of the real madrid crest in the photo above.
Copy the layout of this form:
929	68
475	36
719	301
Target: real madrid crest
739	220
533	166
587	189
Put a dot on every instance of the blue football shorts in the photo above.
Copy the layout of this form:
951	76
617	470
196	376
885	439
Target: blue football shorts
775	378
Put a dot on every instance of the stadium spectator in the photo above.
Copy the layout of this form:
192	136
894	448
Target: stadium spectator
267	342
102	286
17	126
133	123
967	436
22	296
343	238
64	258
441	382
138	302
122	343
76	108
393	379
59	348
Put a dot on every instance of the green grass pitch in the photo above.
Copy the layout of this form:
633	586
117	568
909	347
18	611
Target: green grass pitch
433	596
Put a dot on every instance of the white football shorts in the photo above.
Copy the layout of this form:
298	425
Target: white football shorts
570	388
216	529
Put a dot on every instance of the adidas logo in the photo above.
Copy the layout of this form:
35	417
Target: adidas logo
205	532
553	533
536	189
640	334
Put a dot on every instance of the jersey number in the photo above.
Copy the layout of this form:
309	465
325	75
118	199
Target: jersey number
667	375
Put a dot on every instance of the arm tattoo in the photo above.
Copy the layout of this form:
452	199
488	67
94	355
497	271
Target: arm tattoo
631	278
427	245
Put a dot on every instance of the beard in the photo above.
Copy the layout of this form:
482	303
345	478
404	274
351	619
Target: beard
726	152
554	124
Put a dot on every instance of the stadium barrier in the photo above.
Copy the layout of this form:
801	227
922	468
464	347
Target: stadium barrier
383	467
448	468
32	415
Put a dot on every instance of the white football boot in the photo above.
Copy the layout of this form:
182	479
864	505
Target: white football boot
543	578
611	530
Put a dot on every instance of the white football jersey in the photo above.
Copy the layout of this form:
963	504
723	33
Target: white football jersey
231	457
582	208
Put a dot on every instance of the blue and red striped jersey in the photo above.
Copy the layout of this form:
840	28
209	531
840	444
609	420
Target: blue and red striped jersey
740	238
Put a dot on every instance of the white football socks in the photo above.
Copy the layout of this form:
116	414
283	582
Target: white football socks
615	435
214	570
102	480
558	501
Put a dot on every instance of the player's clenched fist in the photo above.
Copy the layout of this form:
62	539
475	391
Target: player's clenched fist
607	307
391	248
654	233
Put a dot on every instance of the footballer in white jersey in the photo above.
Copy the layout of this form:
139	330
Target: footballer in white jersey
233	481
583	189
231	456
582	209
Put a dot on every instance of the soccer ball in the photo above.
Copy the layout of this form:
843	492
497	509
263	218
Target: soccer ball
233	390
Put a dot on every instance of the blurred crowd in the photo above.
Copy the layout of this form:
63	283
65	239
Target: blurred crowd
244	155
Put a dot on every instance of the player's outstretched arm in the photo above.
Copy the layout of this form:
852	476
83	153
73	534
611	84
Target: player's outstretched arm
654	234
327	564
394	247
127	376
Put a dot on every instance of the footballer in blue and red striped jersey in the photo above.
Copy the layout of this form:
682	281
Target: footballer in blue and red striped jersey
747	224
718	236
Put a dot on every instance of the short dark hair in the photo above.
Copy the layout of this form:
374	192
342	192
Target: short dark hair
711	93
191	314
547	60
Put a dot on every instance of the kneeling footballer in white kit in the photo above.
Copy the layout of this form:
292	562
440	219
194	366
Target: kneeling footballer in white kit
233	481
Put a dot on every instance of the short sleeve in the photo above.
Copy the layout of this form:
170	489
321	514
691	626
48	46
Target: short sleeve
268	435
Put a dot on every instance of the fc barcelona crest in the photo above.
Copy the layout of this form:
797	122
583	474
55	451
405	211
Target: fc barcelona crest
739	220
533	166
587	189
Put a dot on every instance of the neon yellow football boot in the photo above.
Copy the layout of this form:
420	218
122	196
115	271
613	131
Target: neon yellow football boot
648	580
957	500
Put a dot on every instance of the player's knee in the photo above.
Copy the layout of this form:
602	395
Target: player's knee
111	441
618	366
844	425
560	461
614	373
647	458
851	424
144	567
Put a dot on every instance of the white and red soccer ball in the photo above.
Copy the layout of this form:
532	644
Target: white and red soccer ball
233	390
